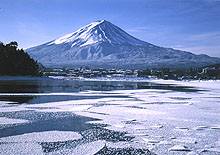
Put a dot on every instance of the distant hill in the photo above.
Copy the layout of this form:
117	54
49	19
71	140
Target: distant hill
217	66
102	44
14	61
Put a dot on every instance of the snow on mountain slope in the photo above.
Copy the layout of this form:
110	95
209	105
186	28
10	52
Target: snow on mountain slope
99	31
102	44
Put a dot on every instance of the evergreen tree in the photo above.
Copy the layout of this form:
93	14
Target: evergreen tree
14	61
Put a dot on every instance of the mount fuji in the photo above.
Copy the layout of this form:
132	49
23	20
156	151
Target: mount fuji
102	44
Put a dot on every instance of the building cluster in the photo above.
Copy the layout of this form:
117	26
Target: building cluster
210	72
91	73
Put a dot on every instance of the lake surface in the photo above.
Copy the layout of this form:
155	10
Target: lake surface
110	116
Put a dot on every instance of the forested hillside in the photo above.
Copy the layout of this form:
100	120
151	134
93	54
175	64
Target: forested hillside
14	61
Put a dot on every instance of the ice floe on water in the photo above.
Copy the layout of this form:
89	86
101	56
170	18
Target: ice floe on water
6	121
179	148
186	140
30	143
12	109
20	149
63	108
210	84
45	136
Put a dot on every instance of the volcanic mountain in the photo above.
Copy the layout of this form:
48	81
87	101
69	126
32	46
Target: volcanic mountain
102	44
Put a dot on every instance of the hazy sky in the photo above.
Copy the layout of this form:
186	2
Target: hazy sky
192	25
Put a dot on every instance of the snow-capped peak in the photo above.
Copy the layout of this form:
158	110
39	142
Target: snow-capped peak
103	45
95	32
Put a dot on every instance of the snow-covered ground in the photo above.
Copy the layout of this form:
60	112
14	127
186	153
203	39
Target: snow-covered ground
161	120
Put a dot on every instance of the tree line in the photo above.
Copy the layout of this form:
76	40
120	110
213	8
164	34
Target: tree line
207	72
14	61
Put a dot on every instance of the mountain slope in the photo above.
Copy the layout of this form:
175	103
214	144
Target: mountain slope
102	44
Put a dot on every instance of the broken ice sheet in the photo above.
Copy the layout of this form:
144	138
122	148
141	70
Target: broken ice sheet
150	141
186	140
45	136
20	149
155	122
179	148
5	121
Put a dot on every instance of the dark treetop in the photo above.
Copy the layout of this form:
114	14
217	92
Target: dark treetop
14	61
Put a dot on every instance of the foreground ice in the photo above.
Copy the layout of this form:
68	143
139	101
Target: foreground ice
179	148
83	149
46	136
162	121
4	120
20	149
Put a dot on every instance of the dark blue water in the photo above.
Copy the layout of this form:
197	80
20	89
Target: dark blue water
49	85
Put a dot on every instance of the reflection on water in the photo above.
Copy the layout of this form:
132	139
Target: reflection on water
49	85
45	85
19	99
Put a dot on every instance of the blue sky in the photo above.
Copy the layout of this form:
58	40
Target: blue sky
192	25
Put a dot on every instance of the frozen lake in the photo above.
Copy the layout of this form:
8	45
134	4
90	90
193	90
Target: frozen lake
102	116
